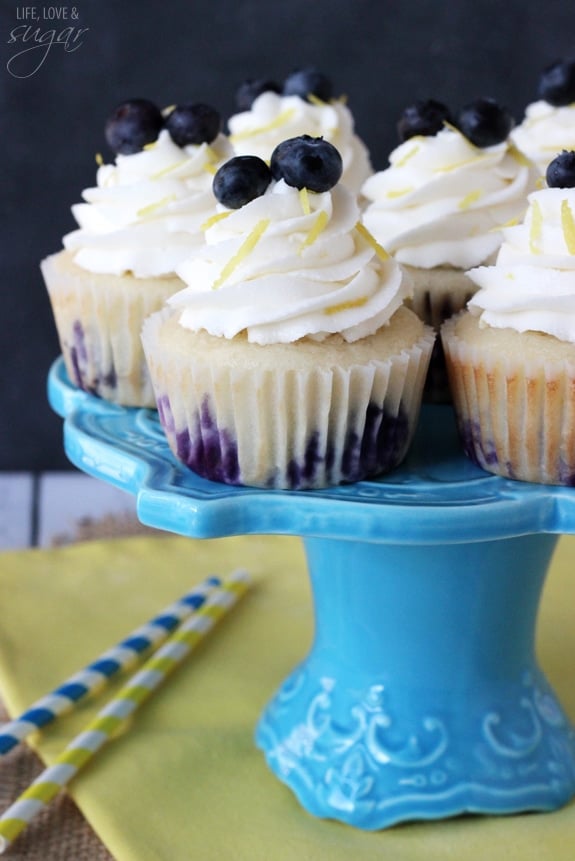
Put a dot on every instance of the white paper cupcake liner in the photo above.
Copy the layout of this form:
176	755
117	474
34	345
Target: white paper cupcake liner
99	319
270	425
515	411
438	294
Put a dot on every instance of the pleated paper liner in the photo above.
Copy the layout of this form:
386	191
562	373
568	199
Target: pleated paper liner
303	415
514	398
99	320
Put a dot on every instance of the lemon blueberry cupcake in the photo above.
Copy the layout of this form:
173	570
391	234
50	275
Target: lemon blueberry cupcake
134	227
511	355
269	113
290	360
548	126
439	207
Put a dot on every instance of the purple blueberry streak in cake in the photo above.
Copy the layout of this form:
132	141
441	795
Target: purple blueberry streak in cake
211	451
80	361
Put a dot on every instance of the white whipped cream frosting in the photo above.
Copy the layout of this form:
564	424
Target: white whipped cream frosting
285	267
147	209
532	285
274	118
545	131
442	200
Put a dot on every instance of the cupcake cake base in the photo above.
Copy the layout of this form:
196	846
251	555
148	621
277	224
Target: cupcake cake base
99	318
514	397
297	416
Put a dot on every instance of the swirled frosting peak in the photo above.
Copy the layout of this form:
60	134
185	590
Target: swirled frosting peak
288	265
146	209
274	118
442	201
545	130
532	285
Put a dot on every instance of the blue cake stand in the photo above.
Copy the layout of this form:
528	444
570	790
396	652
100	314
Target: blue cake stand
421	696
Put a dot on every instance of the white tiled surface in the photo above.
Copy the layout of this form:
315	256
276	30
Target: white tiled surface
38	510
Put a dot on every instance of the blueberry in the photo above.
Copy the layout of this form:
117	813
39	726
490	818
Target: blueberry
561	171
484	122
241	179
422	118
193	124
308	82
249	91
306	162
557	83
133	124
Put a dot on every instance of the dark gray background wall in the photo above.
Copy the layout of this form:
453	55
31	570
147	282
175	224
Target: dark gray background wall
382	53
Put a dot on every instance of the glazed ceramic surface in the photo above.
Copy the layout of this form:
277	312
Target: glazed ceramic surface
421	696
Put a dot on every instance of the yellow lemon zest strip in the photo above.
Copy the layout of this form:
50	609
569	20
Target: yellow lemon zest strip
315	100
167	110
371	240
318	225
536	227
511	276
99	158
168	169
213	219
399	192
457	164
150	145
279	121
568	225
345	306
470	199
210	167
304	200
245	248
152	207
408	155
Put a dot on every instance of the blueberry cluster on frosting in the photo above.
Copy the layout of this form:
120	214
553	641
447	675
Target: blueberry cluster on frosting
305	103
484	122
308	83
561	171
135	123
548	126
302	162
557	83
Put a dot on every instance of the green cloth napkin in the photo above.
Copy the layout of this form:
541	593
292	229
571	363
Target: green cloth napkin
186	781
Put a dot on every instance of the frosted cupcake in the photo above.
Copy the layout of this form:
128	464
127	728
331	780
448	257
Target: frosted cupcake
549	123
440	205
511	356
290	361
135	226
269	114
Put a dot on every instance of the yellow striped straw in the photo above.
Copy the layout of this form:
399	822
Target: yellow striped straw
117	713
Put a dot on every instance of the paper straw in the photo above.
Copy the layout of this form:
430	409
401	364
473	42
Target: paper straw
116	714
97	674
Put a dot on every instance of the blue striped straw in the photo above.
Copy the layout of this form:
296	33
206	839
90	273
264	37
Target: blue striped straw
97	674
117	714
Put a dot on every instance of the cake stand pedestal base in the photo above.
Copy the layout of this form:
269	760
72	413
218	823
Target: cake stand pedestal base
421	697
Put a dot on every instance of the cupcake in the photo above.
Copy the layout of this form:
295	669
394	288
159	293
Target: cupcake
548	126
269	114
511	355
134	228
440	205
290	360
